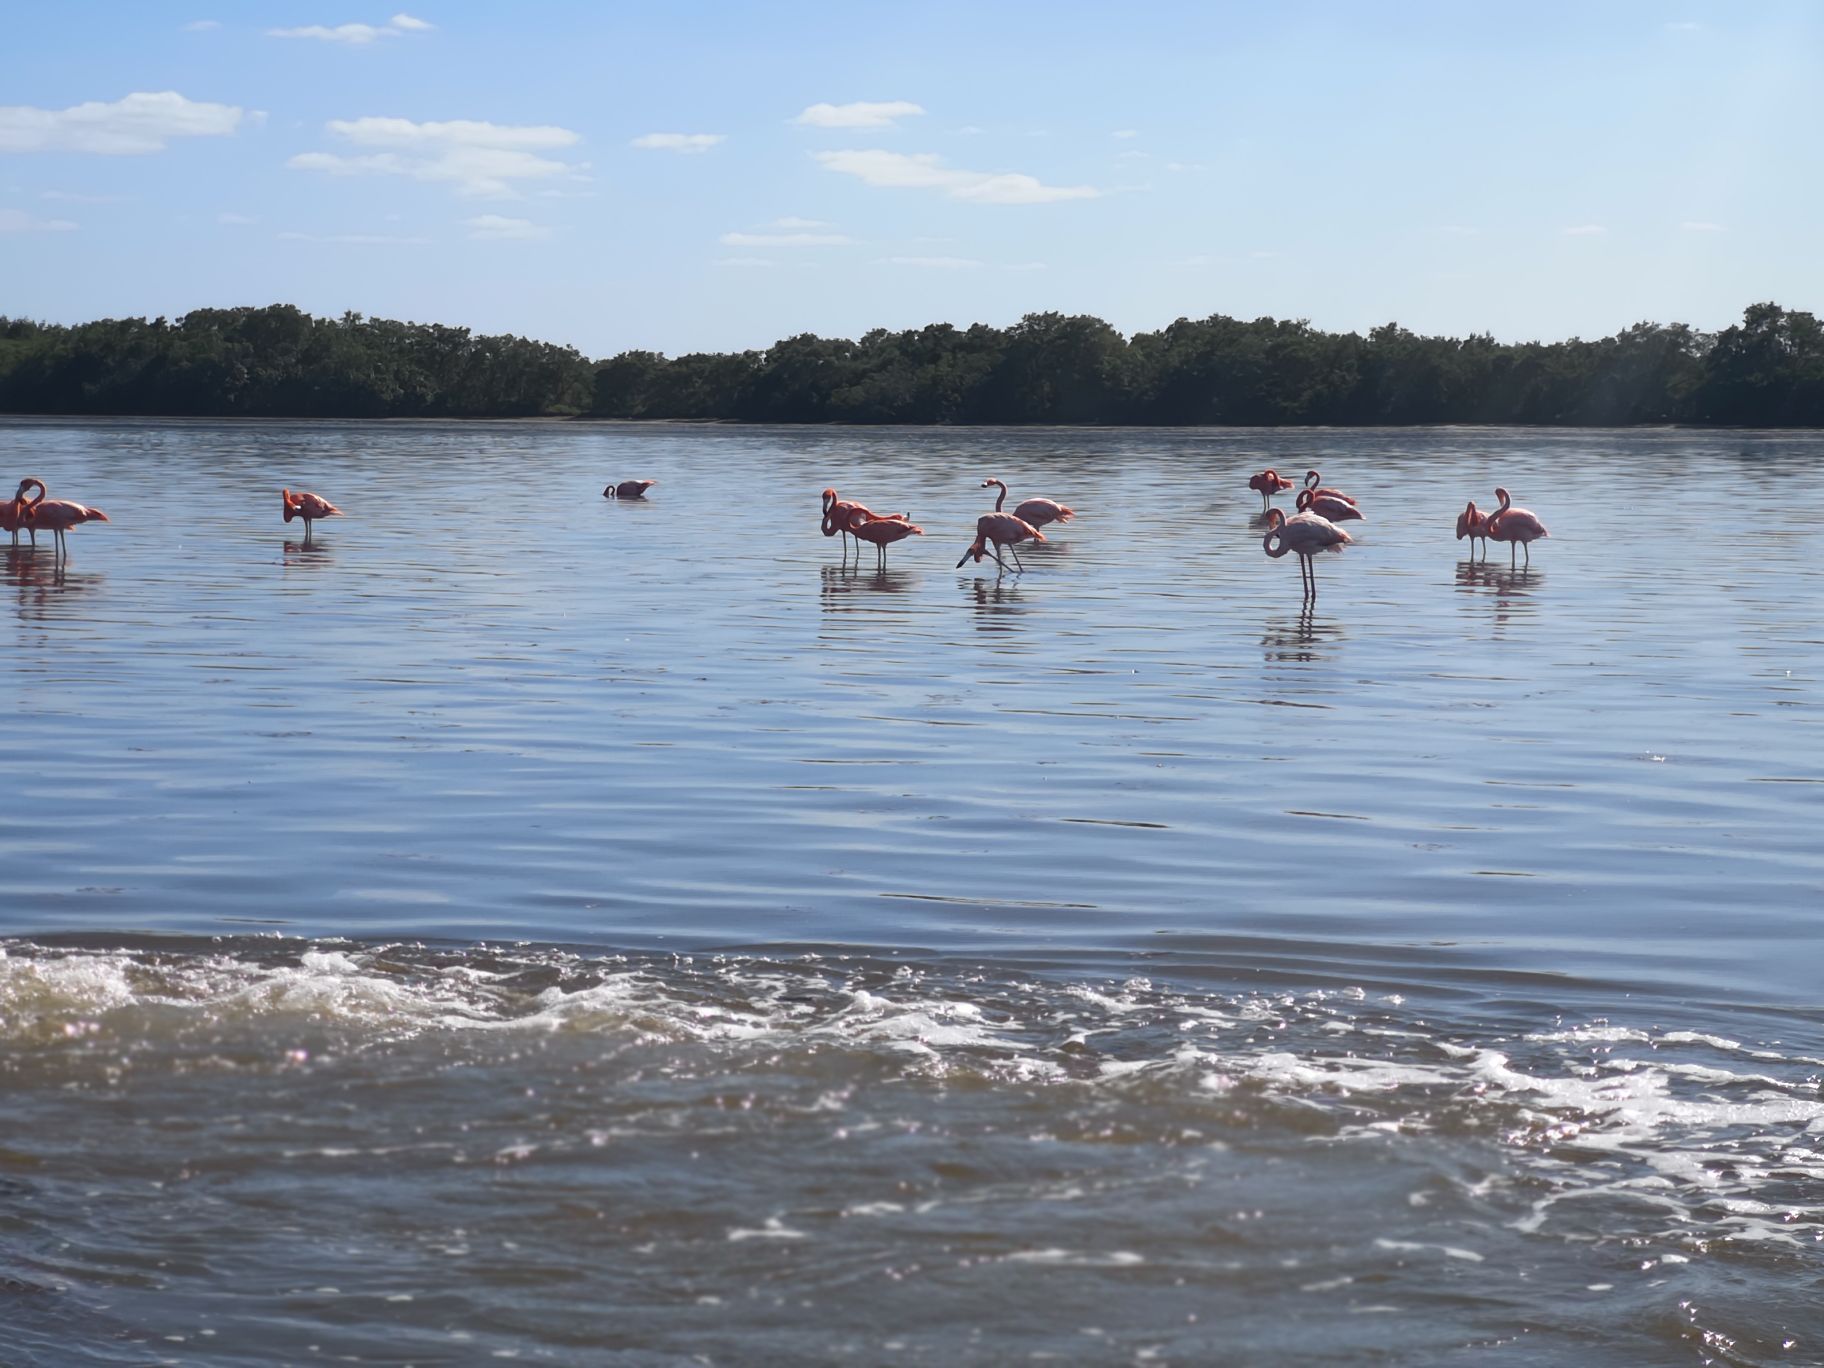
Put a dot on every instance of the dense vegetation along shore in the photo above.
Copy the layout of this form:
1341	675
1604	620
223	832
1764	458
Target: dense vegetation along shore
1048	368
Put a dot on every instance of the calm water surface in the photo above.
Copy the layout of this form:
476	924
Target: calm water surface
525	925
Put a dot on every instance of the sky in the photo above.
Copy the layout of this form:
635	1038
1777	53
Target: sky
685	175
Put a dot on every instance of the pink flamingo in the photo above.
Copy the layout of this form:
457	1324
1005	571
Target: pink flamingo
1313	481
1516	526
836	512
13	517
1003	529
628	489
309	507
1472	522
1033	512
1268	483
1332	506
59	515
883	532
1305	535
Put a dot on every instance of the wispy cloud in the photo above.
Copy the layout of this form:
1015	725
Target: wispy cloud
202	25
678	142
1125	133
761	262
786	240
860	114
1586	230
355	35
136	124
792	221
1684	26
1026	266
18	221
236	220
1691	226
476	158
926	171
356	239
934	263
77	197
495	228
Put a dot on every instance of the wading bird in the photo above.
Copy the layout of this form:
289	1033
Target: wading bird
1472	522
1516	526
1268	483
836	514
628	489
1003	529
1314	483
1032	512
883	532
1304	535
54	515
309	507
13	519
1331	506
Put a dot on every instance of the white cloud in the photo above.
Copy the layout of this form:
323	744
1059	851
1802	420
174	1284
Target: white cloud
236	220
786	240
935	263
356	35
138	123
745	261
790	221
861	114
477	158
356	239
202	25
970	131
1125	133
77	197
1586	230
925	171
18	221
1698	227
494	228
1180	167
678	142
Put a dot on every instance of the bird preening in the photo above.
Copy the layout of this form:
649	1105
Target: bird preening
1304	535
307	506
628	489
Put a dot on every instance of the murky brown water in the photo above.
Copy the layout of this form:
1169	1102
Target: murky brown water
527	925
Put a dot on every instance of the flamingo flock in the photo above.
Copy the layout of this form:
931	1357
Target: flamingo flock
1311	530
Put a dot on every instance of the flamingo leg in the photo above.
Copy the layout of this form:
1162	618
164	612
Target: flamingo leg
1014	551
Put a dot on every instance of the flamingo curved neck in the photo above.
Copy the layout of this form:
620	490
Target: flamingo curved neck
1001	498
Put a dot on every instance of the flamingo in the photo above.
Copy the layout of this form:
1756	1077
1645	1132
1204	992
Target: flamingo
628	489
1313	481
836	513
1305	535
1516	526
13	517
883	532
59	515
1268	483
1003	529
1332	506
1033	512
1473	523
309	507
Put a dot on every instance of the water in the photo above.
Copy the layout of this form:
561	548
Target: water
520	924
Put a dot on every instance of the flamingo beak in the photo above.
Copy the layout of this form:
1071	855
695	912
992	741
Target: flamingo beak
960	563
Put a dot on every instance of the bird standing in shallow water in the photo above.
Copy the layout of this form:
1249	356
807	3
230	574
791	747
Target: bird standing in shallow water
1032	512
1332	506
883	532
1304	535
13	519
1268	483
309	507
836	514
55	515
628	489
1003	529
1516	526
1314	483
1472	522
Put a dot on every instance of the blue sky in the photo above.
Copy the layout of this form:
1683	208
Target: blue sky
685	175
